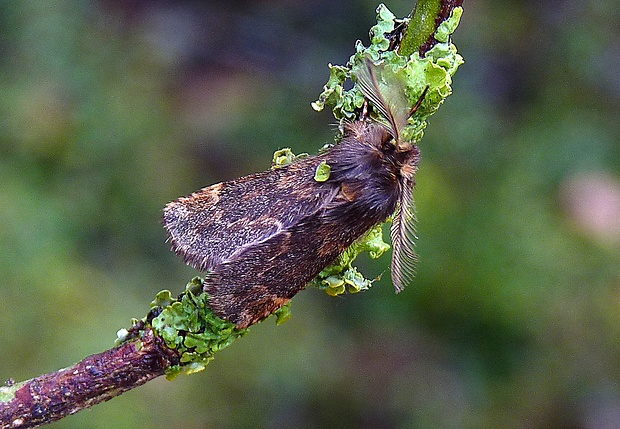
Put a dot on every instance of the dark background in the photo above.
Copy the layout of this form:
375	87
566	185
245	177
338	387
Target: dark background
110	109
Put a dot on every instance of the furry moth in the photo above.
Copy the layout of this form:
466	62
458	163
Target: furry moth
263	237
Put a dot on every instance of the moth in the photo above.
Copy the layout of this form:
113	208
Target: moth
263	237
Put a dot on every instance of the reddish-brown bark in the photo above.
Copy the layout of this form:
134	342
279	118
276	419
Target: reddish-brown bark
95	379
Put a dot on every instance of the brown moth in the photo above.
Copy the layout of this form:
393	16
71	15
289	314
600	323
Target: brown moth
263	237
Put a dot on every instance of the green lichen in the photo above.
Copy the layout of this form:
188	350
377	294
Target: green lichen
447	27
343	103
7	393
414	72
323	171
121	336
284	157
283	314
342	276
190	327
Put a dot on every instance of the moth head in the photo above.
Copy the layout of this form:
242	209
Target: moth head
403	155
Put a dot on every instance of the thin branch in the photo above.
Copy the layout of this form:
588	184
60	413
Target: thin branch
98	378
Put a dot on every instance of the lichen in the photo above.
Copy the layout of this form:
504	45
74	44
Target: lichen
447	27
7	393
190	327
415	72
284	157
323	171
342	276
283	314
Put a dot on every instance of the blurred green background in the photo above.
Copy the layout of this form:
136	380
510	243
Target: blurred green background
110	109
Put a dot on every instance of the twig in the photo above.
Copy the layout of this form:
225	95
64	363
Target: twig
98	378
426	18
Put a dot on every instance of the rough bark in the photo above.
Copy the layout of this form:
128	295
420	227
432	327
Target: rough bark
95	379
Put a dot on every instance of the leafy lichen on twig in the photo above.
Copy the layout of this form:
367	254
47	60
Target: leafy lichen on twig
432	69
190	327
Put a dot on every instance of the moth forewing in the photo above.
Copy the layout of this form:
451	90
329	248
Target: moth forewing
214	224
